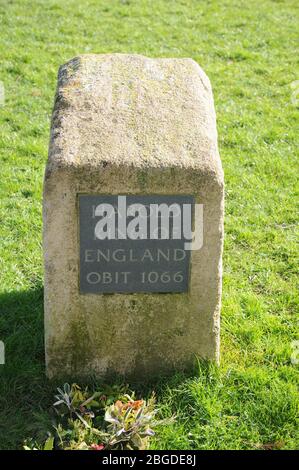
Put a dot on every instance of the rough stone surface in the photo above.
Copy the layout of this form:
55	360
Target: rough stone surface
127	124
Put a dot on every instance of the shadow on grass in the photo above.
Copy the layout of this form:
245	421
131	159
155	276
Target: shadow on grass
24	389
21	330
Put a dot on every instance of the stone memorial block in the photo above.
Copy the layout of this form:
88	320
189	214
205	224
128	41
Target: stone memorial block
133	169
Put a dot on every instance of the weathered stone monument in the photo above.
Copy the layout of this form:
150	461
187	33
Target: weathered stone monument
133	157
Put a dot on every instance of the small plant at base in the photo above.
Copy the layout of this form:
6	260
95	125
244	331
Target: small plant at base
100	421
74	402
130	423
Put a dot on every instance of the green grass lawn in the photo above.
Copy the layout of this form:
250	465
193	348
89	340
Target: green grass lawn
248	49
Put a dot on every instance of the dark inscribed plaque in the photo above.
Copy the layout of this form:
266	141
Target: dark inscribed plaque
134	243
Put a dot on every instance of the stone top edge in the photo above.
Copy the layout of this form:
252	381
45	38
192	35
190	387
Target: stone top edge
119	55
77	63
85	57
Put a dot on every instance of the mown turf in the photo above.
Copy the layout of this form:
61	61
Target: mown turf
248	49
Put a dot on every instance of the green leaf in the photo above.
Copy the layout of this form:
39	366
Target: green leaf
49	443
